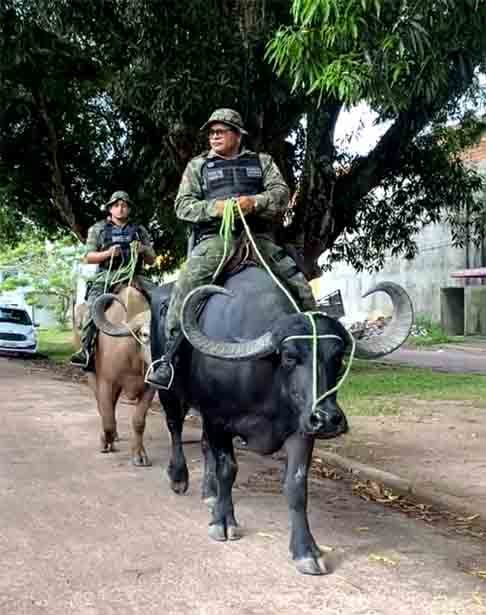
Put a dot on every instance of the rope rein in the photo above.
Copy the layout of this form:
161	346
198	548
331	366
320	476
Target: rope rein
227	226
124	273
231	206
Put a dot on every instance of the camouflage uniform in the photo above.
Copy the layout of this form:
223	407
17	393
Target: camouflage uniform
103	283
199	269
210	178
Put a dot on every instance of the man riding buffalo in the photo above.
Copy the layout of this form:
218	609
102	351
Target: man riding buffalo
254	366
227	170
110	246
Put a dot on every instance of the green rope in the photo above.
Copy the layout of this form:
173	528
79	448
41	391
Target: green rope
310	316
336	388
124	273
226	229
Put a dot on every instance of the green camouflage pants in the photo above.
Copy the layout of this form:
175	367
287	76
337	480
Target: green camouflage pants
204	261
96	290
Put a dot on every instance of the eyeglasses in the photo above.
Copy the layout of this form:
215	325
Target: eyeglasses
218	132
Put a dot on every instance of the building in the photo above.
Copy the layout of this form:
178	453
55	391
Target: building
423	277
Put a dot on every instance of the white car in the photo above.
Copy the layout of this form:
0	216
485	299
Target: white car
17	331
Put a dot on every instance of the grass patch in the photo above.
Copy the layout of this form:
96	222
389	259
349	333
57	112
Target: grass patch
377	389
56	344
372	389
431	334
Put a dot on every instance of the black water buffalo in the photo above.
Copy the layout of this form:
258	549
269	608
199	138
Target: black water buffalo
249	372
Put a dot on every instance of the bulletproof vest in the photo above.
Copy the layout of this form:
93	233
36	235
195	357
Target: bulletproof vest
122	236
223	179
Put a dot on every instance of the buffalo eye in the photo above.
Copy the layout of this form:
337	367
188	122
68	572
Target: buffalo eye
289	361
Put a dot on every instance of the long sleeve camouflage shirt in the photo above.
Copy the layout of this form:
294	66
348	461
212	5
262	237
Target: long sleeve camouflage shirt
192	207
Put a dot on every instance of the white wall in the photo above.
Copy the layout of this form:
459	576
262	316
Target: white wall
421	277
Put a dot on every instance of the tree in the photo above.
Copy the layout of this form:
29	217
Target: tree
413	63
46	270
100	95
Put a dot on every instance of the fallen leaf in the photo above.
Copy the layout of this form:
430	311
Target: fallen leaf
478	598
264	535
471	518
382	558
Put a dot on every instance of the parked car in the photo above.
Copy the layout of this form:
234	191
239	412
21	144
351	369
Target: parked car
17	331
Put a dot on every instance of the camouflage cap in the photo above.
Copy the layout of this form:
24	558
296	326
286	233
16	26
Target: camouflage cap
226	116
118	195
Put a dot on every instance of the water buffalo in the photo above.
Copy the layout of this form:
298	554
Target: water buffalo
249	370
120	367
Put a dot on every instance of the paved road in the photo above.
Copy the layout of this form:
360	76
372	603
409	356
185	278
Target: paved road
446	359
85	533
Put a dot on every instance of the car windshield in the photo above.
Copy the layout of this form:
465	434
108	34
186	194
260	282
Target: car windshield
18	317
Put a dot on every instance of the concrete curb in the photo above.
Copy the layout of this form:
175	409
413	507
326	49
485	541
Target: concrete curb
425	493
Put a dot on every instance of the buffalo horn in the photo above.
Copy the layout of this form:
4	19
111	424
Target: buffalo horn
396	332
100	320
233	351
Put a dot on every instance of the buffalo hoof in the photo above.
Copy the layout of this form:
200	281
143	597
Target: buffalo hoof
310	565
108	448
141	461
179	480
217	532
233	532
178	486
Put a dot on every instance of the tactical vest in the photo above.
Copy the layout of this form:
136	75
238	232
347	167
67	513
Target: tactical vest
223	179
122	236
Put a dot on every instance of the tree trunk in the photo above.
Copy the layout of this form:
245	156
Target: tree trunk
59	197
314	209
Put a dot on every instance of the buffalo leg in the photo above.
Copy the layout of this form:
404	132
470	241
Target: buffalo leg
177	472
303	548
139	454
223	524
107	395
209	484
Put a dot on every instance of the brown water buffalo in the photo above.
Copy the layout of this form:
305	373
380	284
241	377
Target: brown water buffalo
120	368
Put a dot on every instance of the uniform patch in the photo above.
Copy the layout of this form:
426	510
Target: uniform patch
215	174
254	172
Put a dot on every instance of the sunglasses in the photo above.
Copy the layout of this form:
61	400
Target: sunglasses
218	132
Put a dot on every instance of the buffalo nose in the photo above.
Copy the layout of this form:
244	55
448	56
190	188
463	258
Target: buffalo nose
336	419
326	420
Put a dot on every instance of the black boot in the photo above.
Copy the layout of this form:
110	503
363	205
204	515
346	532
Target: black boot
84	358
161	373
80	358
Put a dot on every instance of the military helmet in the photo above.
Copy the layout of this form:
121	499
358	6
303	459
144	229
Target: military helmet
226	116
118	195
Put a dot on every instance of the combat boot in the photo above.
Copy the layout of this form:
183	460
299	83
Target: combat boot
161	373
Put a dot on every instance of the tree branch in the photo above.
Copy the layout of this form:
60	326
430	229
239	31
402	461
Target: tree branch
59	198
367	172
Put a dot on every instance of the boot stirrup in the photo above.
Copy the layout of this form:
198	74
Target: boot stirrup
151	370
